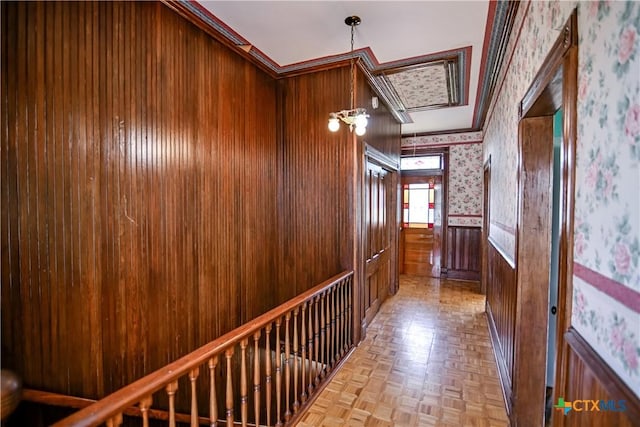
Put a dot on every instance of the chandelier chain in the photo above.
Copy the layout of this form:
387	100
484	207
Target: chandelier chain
353	71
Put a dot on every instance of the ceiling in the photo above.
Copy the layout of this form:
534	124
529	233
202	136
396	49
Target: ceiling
402	46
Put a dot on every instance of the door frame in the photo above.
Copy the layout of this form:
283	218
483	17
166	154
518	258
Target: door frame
444	151
421	178
486	220
554	87
371	154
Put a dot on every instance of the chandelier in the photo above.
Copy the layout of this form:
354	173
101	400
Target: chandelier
354	117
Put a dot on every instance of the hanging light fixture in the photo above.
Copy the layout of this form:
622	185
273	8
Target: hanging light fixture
354	117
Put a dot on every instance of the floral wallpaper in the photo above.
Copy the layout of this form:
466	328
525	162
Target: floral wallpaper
535	30
610	326
607	208
421	87
465	185
465	174
607	205
442	140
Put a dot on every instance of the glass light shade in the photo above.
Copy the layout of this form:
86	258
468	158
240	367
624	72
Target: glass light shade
360	130
334	124
361	121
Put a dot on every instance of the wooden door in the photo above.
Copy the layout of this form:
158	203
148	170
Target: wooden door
421	242
379	223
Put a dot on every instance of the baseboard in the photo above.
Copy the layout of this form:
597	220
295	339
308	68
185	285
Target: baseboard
462	275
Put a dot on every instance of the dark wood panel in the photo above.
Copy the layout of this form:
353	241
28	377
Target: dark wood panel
501	312
463	259
316	198
158	190
139	212
321	192
533	265
590	378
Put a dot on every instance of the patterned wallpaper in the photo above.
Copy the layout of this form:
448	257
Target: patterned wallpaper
607	210
465	174
420	87
441	140
607	213
465	185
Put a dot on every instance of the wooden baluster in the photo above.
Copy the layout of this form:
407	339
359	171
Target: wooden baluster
172	388
144	405
350	314
193	376
344	321
316	343
303	349
213	397
339	330
278	375
310	347
115	421
256	378
244	399
267	372
332	347
228	354
287	367
296	364
338	325
328	329
323	325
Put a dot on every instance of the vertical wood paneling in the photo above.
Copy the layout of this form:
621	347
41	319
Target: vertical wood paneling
138	192
590	378
317	196
158	190
322	179
501	313
463	252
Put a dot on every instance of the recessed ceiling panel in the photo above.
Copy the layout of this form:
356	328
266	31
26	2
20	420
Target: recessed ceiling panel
422	87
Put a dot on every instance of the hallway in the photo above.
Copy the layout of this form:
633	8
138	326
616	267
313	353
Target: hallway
426	360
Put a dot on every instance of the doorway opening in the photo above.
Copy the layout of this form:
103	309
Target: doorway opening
422	211
549	103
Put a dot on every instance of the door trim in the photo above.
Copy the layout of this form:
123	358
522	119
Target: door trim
486	204
554	87
392	167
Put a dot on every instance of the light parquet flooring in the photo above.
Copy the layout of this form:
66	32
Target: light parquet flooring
426	361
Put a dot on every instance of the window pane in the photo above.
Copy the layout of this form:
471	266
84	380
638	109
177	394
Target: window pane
419	186
422	162
418	206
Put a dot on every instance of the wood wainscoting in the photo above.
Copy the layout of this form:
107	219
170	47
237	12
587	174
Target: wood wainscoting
463	257
501	315
590	378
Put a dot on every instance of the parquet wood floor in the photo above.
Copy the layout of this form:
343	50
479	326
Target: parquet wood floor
426	361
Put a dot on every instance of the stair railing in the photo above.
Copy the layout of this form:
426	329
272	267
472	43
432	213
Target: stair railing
262	373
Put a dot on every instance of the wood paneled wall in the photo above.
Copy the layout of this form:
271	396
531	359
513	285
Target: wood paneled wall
590	378
383	132
463	257
316	193
159	190
501	315
320	195
139	198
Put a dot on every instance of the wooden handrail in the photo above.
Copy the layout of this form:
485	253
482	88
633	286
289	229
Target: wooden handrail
115	404
62	400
